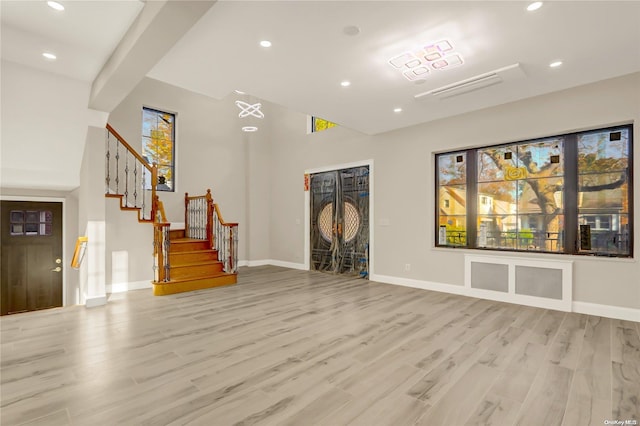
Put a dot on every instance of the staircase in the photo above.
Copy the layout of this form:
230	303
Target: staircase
193	265
203	255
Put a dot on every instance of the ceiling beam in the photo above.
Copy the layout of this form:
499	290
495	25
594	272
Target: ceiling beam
155	31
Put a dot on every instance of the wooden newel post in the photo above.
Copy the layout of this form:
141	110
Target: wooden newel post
186	214
159	252
156	209
209	199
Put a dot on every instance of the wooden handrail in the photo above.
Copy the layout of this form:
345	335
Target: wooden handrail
133	152
153	168
222	222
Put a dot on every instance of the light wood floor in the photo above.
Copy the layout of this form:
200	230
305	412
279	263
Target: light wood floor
286	347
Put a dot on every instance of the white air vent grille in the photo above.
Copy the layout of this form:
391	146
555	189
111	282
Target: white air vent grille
534	282
508	73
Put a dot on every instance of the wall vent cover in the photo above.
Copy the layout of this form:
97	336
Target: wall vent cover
504	74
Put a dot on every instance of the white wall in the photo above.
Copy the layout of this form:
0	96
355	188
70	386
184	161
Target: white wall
211	152
44	123
404	182
91	219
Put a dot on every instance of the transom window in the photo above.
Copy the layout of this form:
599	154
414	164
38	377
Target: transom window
319	124
158	145
563	194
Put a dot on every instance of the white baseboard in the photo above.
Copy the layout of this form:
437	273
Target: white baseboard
608	311
272	262
290	265
122	287
92	302
617	312
252	263
424	285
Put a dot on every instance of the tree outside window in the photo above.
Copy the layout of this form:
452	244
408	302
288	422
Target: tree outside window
563	194
158	145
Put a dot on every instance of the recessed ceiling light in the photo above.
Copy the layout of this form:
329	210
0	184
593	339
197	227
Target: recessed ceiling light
49	55
249	129
55	5
534	6
555	64
345	83
265	43
397	110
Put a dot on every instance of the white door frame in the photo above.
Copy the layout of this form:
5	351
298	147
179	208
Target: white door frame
307	210
64	233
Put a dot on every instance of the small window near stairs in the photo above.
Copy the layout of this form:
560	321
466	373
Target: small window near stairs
158	145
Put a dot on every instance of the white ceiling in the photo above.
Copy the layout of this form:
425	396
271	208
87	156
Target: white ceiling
311	55
83	36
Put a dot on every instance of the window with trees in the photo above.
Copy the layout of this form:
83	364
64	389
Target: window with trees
563	194
158	145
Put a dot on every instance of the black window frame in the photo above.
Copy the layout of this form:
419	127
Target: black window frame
570	237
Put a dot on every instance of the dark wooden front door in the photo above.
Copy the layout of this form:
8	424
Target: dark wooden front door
31	253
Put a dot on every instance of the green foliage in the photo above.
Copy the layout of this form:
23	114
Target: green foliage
525	236
159	148
592	163
320	124
456	235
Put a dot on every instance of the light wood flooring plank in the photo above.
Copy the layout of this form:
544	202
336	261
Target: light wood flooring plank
568	341
625	354
590	397
297	347
57	418
495	410
456	406
547	399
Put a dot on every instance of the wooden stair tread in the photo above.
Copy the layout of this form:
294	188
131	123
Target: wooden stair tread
205	276
186	240
195	251
192	284
193	264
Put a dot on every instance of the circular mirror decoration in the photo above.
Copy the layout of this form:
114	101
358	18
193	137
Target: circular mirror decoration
351	222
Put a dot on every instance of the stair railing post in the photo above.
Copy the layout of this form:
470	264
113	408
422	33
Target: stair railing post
231	250
108	156
210	213
154	182
167	246
186	214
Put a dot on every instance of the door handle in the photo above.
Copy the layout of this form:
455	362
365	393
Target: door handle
56	269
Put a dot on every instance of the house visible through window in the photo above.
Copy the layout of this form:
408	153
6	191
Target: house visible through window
158	145
563	194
